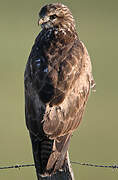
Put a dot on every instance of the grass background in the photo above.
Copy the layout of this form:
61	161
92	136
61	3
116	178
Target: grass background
96	138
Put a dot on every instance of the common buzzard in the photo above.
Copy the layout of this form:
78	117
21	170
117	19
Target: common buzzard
58	79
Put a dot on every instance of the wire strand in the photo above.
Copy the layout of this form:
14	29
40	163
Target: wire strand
18	166
95	165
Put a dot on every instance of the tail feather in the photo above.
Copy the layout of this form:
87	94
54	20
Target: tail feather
58	156
41	152
49	155
46	150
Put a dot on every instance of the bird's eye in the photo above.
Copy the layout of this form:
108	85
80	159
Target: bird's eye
53	16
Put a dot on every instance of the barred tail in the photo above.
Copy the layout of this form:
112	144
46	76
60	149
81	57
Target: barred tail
41	152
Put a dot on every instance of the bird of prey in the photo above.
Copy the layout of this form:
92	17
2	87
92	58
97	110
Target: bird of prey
58	78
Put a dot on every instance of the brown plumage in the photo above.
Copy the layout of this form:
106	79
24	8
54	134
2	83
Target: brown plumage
58	78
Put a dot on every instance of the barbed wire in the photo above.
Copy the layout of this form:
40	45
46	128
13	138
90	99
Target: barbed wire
95	165
18	166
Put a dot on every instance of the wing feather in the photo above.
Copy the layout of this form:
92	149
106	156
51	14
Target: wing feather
69	113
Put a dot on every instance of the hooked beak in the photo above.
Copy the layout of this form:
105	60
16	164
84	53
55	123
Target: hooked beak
40	21
43	20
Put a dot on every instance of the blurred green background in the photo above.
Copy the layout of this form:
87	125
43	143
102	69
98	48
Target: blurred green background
96	140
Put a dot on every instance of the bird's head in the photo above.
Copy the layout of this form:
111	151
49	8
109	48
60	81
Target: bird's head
56	15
